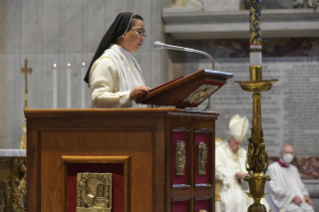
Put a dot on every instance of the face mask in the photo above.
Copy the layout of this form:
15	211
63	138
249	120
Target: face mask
288	158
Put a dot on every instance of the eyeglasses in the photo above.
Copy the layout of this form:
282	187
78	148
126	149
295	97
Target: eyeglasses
141	34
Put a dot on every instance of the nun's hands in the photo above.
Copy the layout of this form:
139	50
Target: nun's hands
139	91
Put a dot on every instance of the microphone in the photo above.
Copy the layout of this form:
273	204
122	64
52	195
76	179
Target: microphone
160	45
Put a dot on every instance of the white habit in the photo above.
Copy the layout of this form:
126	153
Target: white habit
232	196
285	184
112	77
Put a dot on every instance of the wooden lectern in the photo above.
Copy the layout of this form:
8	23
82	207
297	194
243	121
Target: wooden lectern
162	160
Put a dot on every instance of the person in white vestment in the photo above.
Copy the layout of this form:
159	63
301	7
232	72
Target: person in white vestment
230	164
114	76
286	192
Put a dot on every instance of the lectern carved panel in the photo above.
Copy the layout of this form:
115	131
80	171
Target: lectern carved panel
94	193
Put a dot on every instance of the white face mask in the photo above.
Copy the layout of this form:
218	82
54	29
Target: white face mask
288	158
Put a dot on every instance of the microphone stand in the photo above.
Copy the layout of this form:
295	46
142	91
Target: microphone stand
159	45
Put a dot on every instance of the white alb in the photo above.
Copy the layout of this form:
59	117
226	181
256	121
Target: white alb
285	184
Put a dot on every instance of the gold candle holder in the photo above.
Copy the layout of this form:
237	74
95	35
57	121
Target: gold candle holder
257	157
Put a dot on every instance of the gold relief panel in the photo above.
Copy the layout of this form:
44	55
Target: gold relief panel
94	192
12	160
180	158
5	160
4	173
13	181
3	195
202	155
200	94
19	190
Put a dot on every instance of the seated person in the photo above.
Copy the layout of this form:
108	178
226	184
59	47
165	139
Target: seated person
114	76
286	192
230	164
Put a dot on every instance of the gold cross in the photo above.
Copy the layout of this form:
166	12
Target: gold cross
25	71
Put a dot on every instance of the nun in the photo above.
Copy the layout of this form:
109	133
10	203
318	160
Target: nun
114	76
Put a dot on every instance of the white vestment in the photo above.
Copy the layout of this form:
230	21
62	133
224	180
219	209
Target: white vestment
112	77
232	194
285	184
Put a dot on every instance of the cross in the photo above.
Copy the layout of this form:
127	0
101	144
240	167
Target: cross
25	71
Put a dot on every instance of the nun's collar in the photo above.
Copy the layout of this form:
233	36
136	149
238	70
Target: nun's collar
125	52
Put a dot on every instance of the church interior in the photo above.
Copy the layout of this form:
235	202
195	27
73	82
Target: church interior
45	50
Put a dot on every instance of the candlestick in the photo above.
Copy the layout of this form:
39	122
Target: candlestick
257	157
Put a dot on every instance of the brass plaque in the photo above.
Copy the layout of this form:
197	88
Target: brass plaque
94	192
200	94
202	155
180	158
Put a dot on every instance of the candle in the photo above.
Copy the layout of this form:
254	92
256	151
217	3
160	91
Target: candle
55	87
255	33
68	86
83	86
255	55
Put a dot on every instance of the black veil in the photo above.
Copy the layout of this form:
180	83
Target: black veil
118	28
